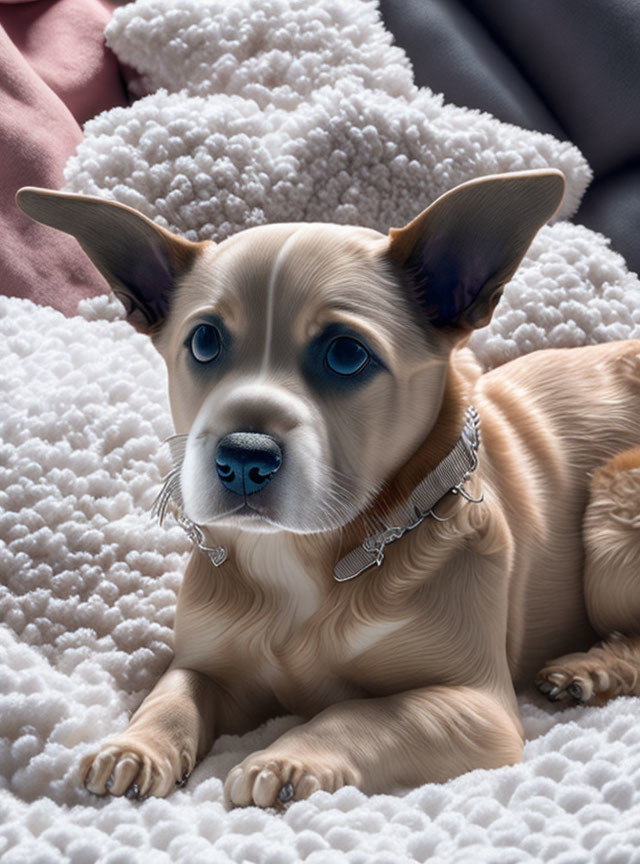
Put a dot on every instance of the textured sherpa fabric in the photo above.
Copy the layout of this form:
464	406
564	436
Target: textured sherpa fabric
571	289
285	111
293	110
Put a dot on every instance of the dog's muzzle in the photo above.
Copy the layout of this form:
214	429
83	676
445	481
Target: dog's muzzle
246	461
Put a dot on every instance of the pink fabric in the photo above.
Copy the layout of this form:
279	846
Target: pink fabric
55	73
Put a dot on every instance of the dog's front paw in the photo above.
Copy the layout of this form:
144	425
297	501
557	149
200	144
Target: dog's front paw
269	778
135	769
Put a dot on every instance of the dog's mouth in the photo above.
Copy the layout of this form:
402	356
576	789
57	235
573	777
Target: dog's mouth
250	512
247	512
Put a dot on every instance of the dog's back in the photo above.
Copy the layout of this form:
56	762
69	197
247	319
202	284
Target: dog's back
550	419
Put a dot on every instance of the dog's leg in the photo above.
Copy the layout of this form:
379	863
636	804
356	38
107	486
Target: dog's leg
612	591
612	540
170	731
418	736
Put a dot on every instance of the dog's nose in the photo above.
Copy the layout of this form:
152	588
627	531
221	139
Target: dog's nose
246	461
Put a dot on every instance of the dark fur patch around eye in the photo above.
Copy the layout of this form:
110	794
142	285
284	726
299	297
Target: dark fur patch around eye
319	373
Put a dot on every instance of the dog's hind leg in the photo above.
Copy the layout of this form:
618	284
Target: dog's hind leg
612	541
611	668
612	591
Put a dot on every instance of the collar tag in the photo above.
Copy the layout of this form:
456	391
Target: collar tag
450	475
217	554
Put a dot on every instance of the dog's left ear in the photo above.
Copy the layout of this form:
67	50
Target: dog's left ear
458	254
141	261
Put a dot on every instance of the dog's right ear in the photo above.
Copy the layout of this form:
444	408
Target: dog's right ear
458	254
140	260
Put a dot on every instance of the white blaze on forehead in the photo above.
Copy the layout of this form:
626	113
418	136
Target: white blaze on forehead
272	299
320	266
268	316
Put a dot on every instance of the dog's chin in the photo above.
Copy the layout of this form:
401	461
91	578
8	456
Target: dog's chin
250	519
261	521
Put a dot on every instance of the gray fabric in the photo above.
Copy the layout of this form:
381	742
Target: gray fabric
583	58
571	68
612	206
453	53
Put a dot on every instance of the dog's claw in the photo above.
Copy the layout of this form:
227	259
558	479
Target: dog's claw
543	686
286	793
575	690
182	782
556	694
133	792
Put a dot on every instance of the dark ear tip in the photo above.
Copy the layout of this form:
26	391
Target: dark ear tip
25	196
556	179
32	200
557	187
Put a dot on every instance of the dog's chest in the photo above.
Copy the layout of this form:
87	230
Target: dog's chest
275	567
304	646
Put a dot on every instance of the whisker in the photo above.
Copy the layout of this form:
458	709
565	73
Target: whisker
177	447
347	507
171	491
175	437
334	507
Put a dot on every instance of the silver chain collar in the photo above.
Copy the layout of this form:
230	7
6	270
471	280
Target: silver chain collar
450	475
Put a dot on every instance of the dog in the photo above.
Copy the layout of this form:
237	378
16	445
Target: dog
389	543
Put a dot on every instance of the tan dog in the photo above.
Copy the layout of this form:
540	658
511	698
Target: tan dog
317	375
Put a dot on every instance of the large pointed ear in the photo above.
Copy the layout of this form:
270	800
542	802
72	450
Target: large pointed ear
140	260
458	254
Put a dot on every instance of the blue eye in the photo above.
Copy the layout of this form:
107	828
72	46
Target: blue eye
346	356
205	343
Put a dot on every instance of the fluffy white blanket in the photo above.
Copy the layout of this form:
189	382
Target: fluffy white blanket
279	109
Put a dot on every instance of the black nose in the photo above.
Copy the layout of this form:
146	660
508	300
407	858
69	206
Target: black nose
246	461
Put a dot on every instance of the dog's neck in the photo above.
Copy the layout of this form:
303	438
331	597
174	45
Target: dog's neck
449	476
431	452
397	492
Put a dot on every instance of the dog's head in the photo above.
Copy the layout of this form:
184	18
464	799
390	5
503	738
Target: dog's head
307	362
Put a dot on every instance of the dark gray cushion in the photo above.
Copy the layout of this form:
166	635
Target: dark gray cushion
571	68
